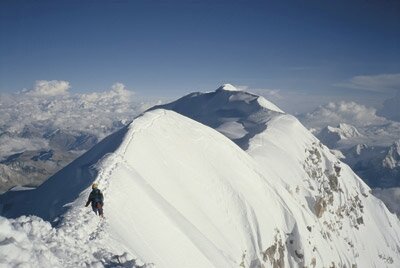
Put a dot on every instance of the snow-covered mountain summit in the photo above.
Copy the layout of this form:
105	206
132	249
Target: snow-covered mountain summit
392	158
180	194
228	87
237	114
331	136
345	131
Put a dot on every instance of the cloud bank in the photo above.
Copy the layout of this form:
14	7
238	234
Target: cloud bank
375	130
334	113
50	88
49	106
377	83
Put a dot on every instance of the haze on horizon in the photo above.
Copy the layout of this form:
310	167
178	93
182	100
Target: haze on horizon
299	55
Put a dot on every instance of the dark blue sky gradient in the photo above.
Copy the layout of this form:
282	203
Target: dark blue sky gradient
170	48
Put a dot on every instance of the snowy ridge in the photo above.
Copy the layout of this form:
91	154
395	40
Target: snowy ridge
180	194
187	209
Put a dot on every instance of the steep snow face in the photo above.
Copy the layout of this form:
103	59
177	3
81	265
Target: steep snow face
341	202
180	194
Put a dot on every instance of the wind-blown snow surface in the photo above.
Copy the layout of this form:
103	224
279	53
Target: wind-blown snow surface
180	194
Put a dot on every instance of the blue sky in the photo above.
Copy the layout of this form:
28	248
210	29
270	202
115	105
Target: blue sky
170	48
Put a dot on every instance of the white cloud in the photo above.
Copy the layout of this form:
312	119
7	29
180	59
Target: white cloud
378	83
335	113
376	130
294	101
97	113
50	88
120	88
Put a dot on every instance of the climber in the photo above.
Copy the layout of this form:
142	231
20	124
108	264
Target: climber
96	198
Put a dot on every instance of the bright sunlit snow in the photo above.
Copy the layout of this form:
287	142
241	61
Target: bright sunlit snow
180	194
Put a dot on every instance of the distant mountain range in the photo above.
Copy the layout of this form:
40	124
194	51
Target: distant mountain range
41	134
32	167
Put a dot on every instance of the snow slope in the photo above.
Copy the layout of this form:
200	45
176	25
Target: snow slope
180	194
167	204
306	168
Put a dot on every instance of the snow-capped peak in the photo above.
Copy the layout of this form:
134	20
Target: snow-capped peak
348	131
247	97
228	87
392	159
345	131
237	114
332	135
